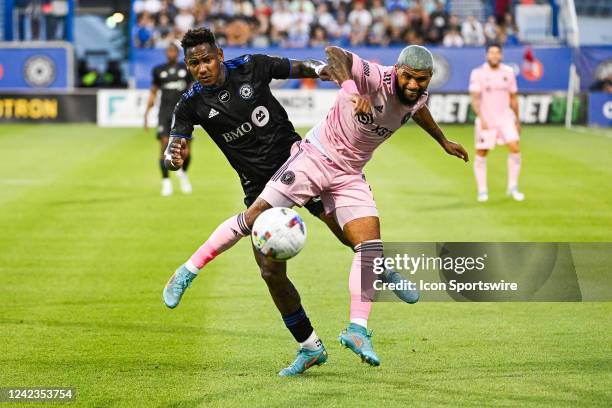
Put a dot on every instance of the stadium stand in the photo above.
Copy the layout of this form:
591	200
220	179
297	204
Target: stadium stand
304	23
600	8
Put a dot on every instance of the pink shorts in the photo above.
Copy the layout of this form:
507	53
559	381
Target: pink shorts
309	173
500	133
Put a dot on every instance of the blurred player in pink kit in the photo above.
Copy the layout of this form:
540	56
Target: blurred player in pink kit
373	103
494	100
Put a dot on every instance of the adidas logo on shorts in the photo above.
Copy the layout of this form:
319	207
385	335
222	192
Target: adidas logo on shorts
213	112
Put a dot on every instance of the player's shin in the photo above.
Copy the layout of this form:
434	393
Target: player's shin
223	238
164	170
514	169
480	171
356	337
361	280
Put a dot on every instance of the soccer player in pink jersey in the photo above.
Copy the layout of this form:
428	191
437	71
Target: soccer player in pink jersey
373	103
494	100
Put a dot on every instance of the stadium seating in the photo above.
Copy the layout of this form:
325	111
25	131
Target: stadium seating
305	23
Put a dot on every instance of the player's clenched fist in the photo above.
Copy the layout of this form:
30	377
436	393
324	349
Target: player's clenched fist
361	106
178	145
176	148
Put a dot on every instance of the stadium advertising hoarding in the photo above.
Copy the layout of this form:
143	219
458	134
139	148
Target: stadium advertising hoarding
48	107
124	108
308	107
534	109
600	109
537	69
36	65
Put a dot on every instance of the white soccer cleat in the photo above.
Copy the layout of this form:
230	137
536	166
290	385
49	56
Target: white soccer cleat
483	197
515	194
184	180
166	187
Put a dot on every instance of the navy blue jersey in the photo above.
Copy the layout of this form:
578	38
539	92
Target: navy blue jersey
172	80
242	117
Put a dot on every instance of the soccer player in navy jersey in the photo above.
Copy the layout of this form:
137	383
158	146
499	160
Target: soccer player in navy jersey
233	102
172	79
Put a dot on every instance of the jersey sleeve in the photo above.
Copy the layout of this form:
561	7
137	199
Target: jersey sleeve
368	76
475	82
271	67
156	77
182	120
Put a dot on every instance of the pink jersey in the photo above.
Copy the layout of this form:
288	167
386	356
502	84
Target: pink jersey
350	140
494	87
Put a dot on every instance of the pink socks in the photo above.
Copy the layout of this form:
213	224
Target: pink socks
362	276
514	169
480	171
223	238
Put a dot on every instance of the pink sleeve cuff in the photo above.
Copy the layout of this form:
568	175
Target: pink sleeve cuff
350	87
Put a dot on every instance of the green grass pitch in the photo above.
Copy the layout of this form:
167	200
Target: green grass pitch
87	244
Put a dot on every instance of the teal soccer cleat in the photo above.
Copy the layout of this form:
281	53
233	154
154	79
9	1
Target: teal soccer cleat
176	286
359	340
405	294
304	360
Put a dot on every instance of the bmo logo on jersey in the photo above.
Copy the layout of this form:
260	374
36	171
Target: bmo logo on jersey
240	131
260	116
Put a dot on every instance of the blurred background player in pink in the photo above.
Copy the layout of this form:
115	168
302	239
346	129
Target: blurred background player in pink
494	100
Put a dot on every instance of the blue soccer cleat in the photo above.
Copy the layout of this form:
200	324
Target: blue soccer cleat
176	286
407	295
304	360
359	340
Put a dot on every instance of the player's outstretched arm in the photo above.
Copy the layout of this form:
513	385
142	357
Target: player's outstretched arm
424	119
173	156
310	68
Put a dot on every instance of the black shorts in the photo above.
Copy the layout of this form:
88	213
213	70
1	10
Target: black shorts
164	124
314	206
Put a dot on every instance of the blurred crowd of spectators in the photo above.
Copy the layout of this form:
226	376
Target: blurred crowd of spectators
39	19
306	23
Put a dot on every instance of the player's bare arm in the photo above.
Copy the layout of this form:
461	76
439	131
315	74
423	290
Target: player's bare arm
310	68
515	108
475	96
150	103
338	68
424	119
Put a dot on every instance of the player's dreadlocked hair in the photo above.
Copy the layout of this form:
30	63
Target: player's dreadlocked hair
198	36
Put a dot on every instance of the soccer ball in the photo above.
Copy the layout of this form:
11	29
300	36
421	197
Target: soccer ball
279	233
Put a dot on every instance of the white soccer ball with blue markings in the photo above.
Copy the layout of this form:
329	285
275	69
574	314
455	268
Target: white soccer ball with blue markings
279	233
